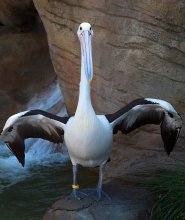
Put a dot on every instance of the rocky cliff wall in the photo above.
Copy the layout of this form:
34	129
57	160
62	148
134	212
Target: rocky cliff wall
25	65
138	47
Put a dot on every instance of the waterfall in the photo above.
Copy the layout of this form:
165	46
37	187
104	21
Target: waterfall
38	152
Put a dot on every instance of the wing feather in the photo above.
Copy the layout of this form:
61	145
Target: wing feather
32	124
148	111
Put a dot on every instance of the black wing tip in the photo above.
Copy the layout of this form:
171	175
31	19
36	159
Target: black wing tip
169	148
20	158
22	163
168	152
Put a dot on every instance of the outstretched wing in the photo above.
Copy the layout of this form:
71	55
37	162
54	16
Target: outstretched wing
148	111
31	124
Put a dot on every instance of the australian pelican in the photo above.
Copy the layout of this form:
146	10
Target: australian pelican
89	137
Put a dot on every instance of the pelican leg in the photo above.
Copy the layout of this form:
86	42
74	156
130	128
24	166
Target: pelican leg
99	194
76	194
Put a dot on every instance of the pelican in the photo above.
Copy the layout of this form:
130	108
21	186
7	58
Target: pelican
88	136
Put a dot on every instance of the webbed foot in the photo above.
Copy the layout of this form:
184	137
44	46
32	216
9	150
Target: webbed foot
99	195
77	195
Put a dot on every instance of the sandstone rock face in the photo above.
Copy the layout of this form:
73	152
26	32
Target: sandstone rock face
138	51
138	47
25	65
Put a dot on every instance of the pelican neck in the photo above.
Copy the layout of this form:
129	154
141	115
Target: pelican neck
84	106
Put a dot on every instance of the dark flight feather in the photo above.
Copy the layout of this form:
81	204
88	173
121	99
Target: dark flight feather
33	124
141	112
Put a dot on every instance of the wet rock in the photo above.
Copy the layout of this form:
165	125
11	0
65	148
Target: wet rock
127	202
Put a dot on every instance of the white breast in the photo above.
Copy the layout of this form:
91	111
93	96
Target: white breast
89	140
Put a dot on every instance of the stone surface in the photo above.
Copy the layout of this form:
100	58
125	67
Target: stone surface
138	51
18	14
127	202
25	65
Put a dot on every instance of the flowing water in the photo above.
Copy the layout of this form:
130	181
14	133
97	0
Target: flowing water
26	193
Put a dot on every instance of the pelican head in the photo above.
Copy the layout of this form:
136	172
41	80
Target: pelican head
85	34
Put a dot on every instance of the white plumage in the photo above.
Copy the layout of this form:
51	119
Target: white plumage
92	140
162	103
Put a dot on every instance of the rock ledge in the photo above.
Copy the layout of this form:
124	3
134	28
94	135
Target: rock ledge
128	203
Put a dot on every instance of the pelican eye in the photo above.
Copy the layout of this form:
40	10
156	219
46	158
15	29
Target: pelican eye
81	28
90	28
